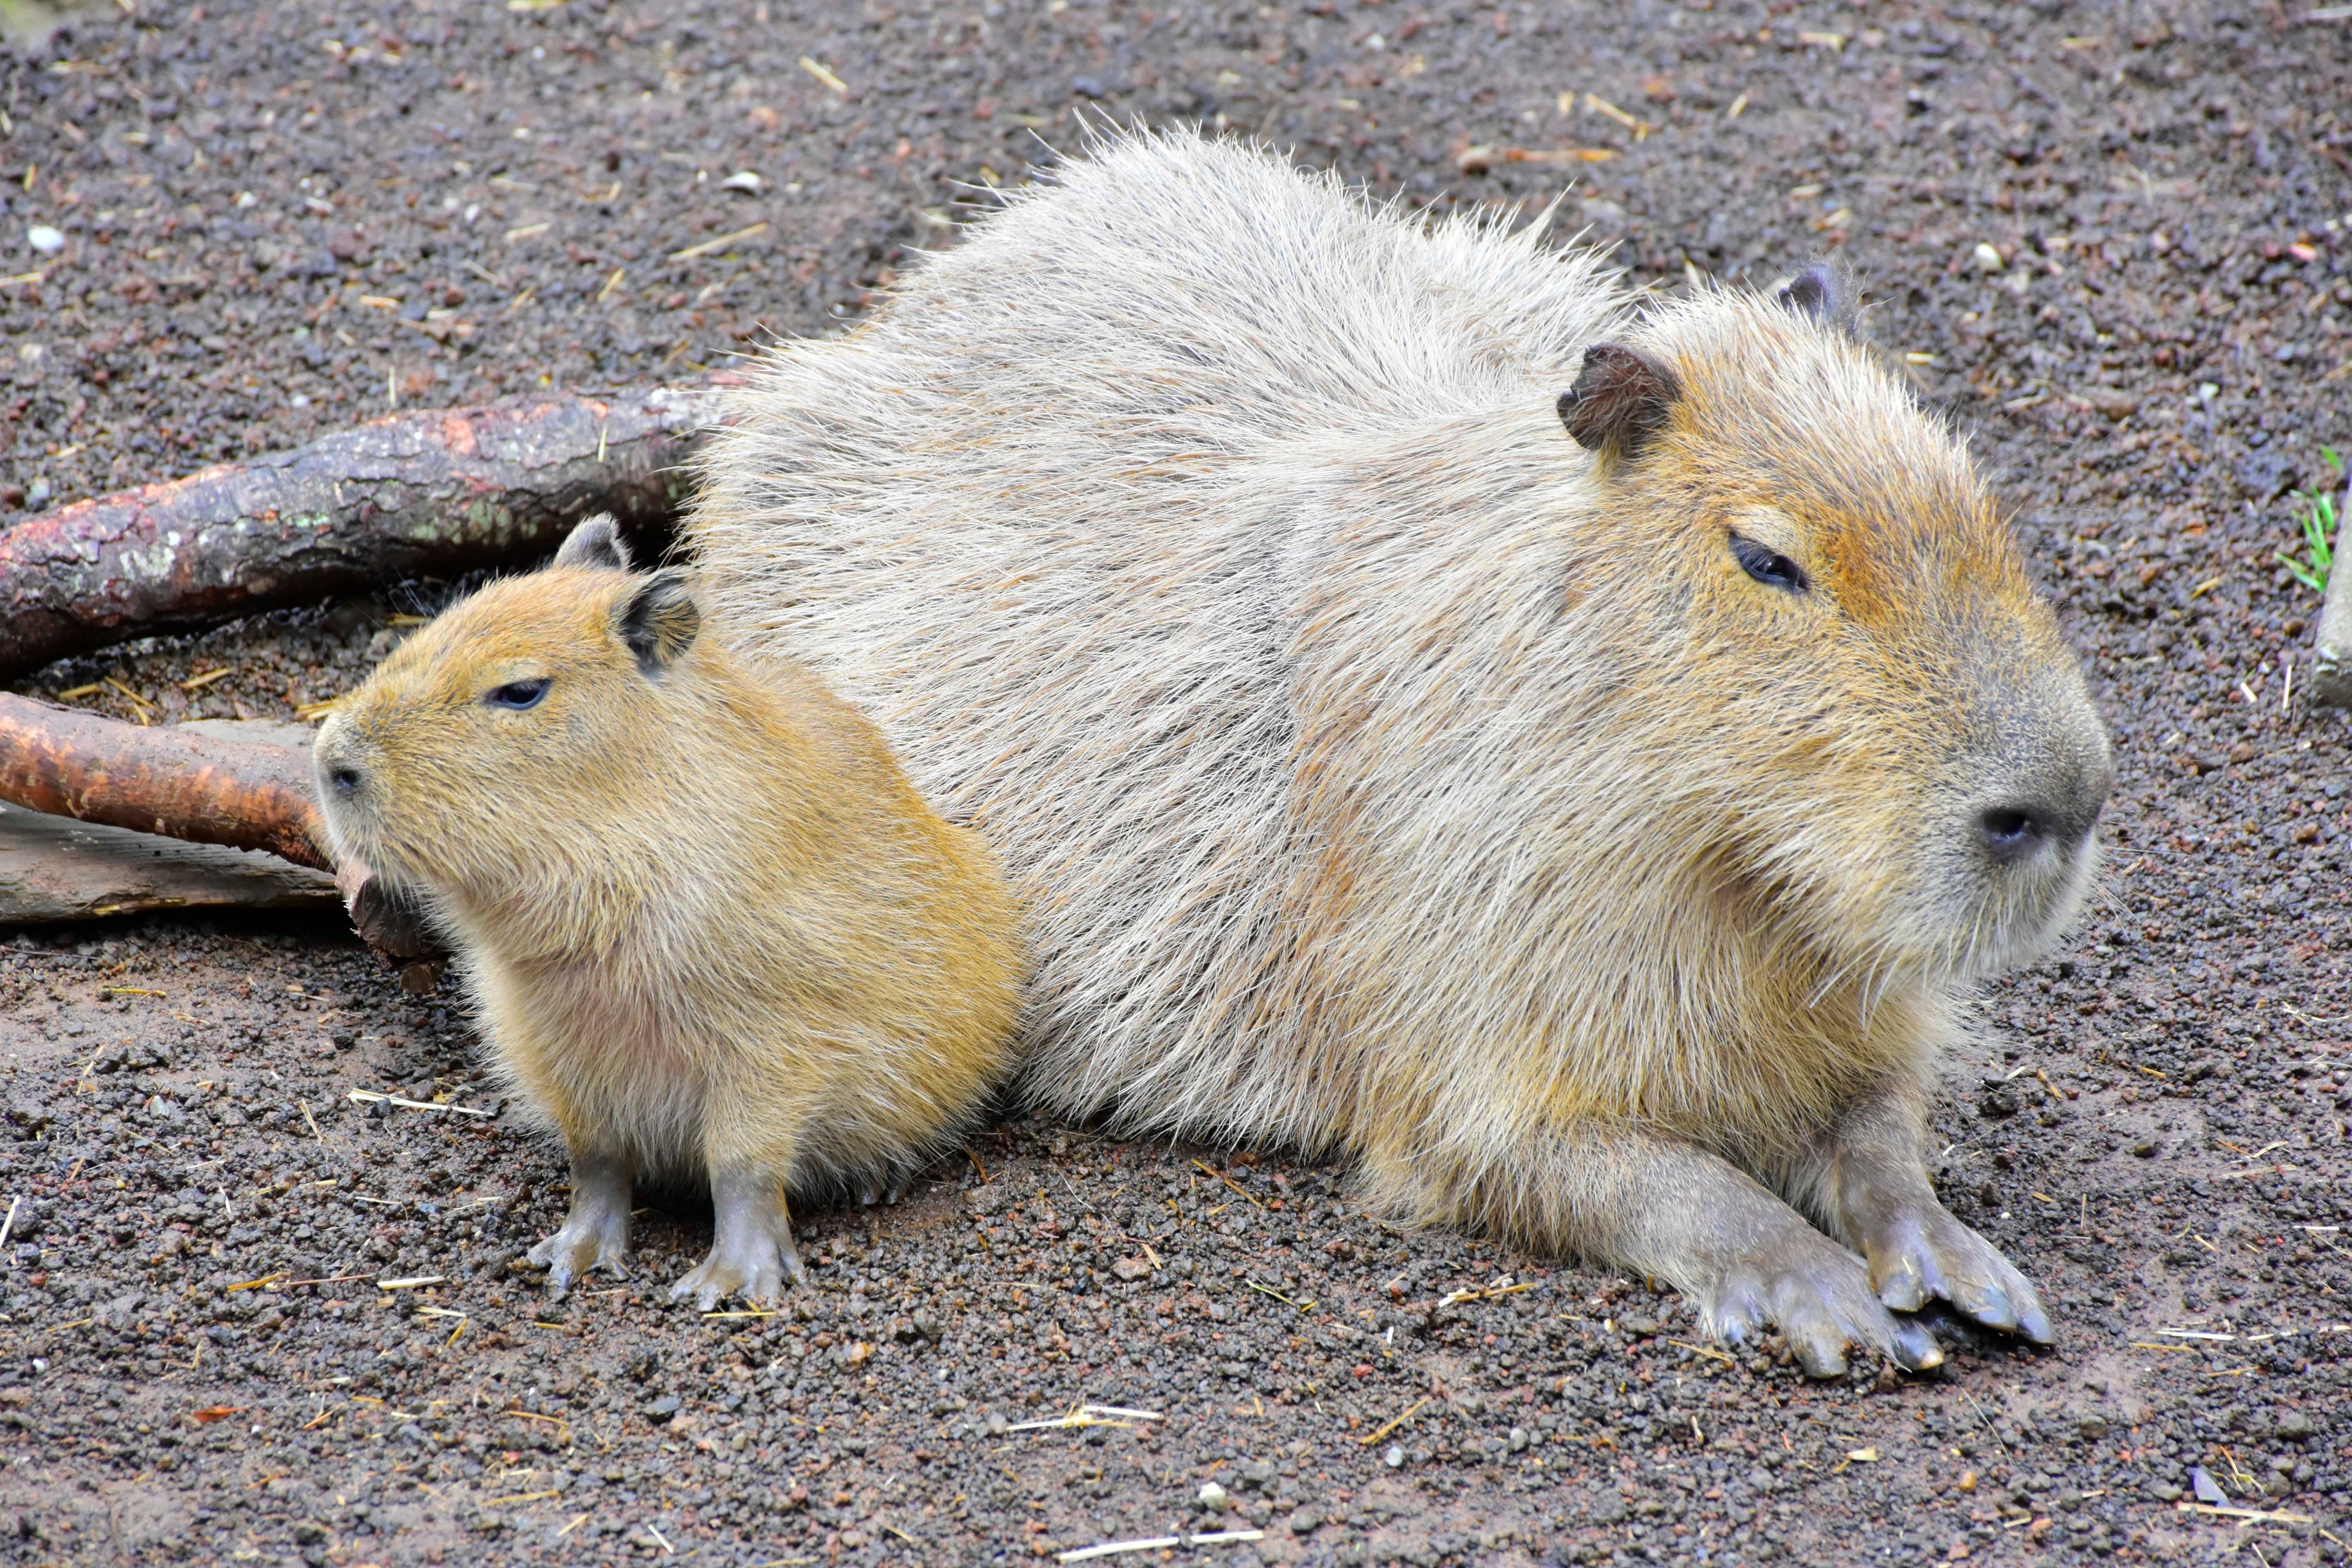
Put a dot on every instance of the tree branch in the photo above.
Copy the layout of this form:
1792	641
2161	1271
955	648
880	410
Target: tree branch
441	491
199	788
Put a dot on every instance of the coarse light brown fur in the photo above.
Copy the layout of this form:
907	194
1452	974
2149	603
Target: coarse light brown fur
1384	769
709	924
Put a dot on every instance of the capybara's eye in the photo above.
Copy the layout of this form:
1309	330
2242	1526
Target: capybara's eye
1768	565
517	694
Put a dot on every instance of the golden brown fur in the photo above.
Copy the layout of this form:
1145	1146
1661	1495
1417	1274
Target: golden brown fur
709	924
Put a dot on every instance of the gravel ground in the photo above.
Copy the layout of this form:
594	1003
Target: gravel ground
2112	239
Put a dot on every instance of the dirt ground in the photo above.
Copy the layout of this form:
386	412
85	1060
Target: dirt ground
2110	239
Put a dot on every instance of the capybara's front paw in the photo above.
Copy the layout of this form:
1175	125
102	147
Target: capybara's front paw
751	1253
588	1240
1818	1296
1919	1252
746	1265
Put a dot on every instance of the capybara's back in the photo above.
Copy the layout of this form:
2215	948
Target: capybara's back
1566	756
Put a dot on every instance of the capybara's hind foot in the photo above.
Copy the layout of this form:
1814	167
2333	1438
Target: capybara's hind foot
595	1234
1818	1296
1919	1253
877	1191
751	1251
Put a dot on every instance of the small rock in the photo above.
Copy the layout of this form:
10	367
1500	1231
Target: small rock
1393	1457
741	180
2267	474
1985	258
308	1533
2209	1491
1087	87
2090	1428
665	1407
1213	1498
45	239
1518	1439
2294	1424
1130	1269
2163	1491
1637	1326
1605	218
1304	1521
997	1425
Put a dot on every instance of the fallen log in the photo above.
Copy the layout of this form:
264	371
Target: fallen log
200	788
68	763
435	492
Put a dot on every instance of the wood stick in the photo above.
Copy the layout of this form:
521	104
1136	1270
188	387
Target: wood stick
435	492
183	785
159	780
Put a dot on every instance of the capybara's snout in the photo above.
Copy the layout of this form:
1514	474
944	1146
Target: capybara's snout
2045	810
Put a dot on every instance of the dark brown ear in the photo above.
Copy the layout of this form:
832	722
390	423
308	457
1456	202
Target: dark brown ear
596	544
1822	293
658	622
1621	399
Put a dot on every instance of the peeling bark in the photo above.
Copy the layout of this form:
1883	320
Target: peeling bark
440	491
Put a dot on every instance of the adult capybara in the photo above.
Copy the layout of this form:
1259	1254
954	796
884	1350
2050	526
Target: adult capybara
1571	757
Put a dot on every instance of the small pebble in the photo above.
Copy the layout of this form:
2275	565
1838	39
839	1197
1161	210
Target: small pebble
45	239
1967	1480
1987	258
1213	1496
1394	1455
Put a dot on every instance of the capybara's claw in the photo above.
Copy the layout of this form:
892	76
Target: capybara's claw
1921	1253
1820	1297
758	1280
577	1249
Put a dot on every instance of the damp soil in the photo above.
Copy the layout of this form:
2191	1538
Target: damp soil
2110	240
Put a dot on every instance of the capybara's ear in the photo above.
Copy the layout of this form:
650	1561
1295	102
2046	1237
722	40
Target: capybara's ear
659	621
1821	293
1619	400
596	544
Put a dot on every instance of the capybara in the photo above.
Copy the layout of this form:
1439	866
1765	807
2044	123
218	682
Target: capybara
713	932
1571	751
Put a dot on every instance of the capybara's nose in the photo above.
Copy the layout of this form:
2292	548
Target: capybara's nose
2015	833
2059	815
339	771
